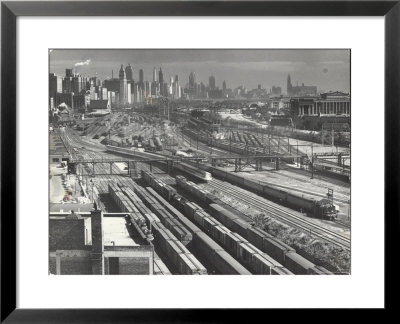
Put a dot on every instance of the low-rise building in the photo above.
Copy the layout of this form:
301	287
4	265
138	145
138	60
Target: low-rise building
94	244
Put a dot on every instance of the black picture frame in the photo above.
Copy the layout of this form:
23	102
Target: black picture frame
11	10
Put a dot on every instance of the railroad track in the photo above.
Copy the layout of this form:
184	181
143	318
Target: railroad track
285	216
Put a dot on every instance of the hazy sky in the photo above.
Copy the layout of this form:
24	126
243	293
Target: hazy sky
327	69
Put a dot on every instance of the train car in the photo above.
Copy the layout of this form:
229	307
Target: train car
160	268
299	202
274	194
297	264
221	260
277	249
261	264
193	171
178	254
256	236
190	209
252	185
232	242
229	219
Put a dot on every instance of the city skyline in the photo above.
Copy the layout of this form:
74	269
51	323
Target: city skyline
329	70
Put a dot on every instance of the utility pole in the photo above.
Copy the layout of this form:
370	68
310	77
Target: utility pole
312	162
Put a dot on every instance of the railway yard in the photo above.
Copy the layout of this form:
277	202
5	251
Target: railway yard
211	199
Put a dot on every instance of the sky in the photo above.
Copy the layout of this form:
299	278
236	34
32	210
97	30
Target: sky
329	70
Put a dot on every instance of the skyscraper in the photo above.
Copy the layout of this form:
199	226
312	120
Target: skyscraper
129	73
68	73
192	80
211	82
289	85
55	85
154	75
160	76
123	87
224	85
141	77
161	81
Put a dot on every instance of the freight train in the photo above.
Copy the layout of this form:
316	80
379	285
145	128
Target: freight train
251	257
180	257
208	248
278	250
282	253
247	254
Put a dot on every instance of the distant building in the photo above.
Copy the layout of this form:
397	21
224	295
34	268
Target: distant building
111	84
123	87
81	100
66	98
154	75
55	85
211	82
160	76
276	90
331	103
69	73
141	79
302	90
129	73
99	105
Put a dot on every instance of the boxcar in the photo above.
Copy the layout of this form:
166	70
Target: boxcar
228	265
277	249
297	264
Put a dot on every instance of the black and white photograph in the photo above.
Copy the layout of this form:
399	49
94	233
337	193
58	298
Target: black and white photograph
199	161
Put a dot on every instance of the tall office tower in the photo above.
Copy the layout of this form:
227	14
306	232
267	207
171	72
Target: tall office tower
128	94
176	78
289	85
123	87
129	73
92	91
55	85
224	85
67	85
161	81
154	75
141	77
211	82
77	84
192	79
147	89
68	73
160	76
